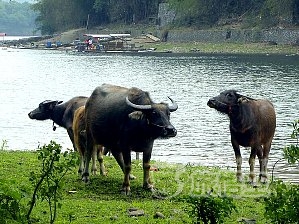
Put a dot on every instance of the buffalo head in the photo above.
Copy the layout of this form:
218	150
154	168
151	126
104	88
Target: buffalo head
156	116
44	110
226	100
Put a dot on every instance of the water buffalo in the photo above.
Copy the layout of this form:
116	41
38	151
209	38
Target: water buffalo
80	142
252	124
60	113
122	120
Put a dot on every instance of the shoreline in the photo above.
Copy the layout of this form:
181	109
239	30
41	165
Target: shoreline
224	47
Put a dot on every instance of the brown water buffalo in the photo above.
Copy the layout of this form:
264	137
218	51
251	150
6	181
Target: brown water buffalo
126	120
60	113
252	124
80	142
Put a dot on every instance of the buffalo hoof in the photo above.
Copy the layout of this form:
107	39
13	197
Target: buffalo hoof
126	190
253	184
263	179
85	178
239	178
132	177
103	171
149	187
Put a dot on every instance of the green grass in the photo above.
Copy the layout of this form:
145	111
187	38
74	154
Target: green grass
224	47
100	201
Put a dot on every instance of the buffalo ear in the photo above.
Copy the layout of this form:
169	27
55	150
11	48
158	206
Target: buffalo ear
136	115
59	102
243	99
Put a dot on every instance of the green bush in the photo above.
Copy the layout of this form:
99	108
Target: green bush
48	181
11	209
282	205
291	152
210	208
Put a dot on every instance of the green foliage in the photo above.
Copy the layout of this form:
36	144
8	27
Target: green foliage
251	13
55	15
282	205
3	146
49	180
11	209
210	208
291	152
17	18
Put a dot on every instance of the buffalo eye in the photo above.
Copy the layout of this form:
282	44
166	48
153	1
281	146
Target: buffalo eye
229	96
154	113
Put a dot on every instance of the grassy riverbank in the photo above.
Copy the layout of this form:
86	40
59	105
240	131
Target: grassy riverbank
224	47
101	201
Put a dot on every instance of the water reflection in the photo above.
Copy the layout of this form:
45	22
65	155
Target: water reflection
29	77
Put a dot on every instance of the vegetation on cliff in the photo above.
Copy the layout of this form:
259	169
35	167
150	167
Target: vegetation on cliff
52	16
17	18
57	15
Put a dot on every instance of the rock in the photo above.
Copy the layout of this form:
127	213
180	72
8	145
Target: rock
247	221
135	212
159	215
115	217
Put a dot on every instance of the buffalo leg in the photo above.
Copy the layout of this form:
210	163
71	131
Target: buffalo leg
99	150
120	161
71	136
127	169
254	152
264	162
88	153
94	159
81	166
146	167
238	160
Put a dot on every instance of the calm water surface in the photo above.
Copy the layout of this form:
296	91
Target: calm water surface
30	76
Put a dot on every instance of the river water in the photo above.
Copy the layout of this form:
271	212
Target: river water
29	77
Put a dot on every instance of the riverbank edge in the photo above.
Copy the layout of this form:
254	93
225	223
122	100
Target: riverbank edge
174	46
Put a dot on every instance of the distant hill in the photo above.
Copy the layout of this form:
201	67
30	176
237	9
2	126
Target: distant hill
17	18
21	1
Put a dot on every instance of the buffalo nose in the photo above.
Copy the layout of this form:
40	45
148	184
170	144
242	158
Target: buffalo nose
211	102
170	131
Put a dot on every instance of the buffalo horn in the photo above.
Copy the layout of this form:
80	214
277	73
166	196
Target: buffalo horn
174	106
51	101
138	107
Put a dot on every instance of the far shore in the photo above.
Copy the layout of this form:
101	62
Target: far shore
225	47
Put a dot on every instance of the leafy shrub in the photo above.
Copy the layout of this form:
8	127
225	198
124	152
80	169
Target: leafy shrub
282	205
49	181
291	152
10	207
210	208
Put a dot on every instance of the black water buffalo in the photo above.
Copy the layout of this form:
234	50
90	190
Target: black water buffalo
252	124
126	120
60	113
